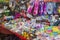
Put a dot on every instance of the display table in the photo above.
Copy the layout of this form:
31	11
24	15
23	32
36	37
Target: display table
6	31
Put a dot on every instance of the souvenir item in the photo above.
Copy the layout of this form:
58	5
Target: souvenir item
36	5
42	7
58	7
38	18
29	16
33	25
23	4
55	29
7	12
33	20
49	7
42	29
55	33
9	17
17	5
26	35
49	31
30	7
17	15
55	7
57	37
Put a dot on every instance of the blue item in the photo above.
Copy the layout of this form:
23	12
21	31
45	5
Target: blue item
50	7
55	33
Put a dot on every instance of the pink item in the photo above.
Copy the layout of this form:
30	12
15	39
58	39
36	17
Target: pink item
36	4
30	9
17	15
49	31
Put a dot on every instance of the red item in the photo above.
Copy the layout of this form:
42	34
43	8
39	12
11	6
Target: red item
8	31
21	37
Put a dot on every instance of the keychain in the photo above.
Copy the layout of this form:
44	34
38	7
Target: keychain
49	8
36	6
30	7
42	8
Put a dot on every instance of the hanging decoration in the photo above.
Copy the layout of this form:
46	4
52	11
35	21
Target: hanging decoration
36	6
42	8
30	7
49	8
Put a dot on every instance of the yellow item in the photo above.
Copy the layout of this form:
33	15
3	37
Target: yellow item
59	32
25	34
51	34
55	29
59	10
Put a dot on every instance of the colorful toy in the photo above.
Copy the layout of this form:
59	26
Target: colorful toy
42	7
30	7
7	12
8	17
26	35
36	5
49	7
55	29
55	7
38	26
17	15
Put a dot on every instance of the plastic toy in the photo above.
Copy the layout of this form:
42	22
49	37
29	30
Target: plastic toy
49	7
8	18
7	12
55	29
30	7
55	33
26	35
42	7
36	5
17	15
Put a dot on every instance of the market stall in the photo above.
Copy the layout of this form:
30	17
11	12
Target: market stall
32	19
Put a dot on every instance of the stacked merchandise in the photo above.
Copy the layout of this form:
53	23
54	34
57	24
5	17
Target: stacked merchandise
34	19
